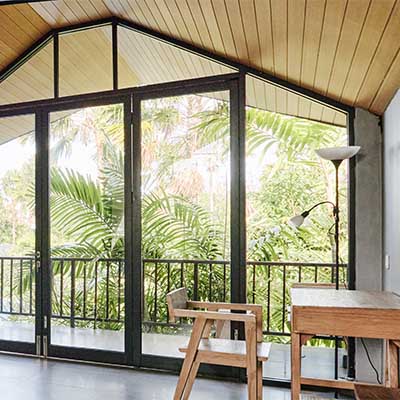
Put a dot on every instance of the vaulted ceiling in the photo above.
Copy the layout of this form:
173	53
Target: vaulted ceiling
348	50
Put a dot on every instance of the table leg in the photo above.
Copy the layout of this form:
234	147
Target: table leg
392	360
296	365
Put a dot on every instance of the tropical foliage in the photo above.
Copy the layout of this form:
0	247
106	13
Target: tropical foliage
185	204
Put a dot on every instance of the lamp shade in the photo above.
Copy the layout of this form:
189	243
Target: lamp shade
296	221
338	153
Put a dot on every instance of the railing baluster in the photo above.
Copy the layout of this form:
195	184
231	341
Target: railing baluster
269	298
182	266
2	284
284	299
30	285
254	284
119	291
210	282
299	278
315	274
84	289
155	292
20	285
61	287
96	265
168	277
196	281
224	290
11	284
72	313
107	289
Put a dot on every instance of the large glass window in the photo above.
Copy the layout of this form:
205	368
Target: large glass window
185	209
285	177
87	227
17	228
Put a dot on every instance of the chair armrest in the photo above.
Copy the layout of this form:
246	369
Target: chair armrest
256	308
215	315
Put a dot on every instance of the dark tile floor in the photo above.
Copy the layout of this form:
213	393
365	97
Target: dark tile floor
25	378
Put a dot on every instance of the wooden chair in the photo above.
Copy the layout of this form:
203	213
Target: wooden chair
249	353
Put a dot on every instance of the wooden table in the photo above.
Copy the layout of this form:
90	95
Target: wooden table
347	313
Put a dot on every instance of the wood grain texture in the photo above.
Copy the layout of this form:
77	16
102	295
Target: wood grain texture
345	49
351	313
368	392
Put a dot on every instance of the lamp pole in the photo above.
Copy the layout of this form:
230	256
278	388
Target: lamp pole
337	163
336	155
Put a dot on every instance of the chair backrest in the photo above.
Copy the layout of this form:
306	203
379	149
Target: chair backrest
177	299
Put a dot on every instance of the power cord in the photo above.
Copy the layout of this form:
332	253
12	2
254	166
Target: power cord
371	363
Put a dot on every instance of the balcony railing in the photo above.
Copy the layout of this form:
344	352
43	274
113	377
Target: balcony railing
90	293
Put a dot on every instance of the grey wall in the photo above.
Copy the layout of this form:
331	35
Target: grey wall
391	128
369	226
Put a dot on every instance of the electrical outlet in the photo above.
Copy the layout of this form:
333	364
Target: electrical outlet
387	261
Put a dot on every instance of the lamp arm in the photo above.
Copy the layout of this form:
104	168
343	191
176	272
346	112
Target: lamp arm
319	204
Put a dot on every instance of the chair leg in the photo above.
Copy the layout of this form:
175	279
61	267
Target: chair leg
190	381
259	380
195	337
251	350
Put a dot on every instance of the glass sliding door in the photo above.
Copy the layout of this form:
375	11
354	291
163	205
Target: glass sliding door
17	232
86	195
185	209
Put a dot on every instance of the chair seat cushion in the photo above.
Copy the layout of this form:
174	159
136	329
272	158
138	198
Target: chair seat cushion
232	347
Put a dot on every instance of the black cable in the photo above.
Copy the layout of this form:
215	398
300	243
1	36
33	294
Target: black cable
370	362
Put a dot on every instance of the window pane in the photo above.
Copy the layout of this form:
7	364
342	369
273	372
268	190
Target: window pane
85	61
33	80
17	228
87	227
185	209
145	61
285	177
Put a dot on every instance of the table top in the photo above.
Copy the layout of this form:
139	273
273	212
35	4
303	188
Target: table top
313	297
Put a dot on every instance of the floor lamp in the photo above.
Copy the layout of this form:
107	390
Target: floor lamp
336	155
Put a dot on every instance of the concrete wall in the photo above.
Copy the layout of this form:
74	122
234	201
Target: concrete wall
391	129
369	226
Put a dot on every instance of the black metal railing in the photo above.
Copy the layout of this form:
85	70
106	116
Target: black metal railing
90	292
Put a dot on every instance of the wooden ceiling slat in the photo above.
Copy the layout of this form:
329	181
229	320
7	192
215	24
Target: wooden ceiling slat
235	19
248	14
380	64
293	104
389	86
263	15
208	13
225	28
202	27
296	12
316	110
356	12
314	20
334	17
375	22
279	37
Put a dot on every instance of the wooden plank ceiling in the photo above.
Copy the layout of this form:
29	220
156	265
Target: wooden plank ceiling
345	49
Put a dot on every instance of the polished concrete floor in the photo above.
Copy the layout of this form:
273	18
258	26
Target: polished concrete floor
26	378
317	361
